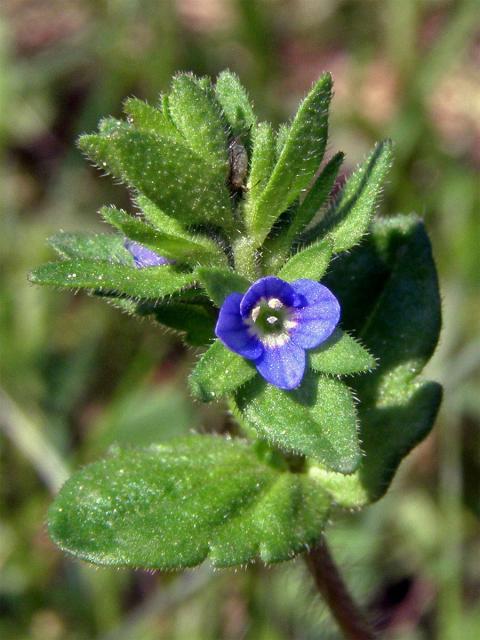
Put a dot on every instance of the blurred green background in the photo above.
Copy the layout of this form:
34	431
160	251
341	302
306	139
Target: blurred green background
77	376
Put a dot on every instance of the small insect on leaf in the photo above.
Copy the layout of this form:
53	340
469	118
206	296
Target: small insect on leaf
238	159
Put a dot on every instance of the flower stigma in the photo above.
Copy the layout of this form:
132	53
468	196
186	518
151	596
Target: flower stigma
271	321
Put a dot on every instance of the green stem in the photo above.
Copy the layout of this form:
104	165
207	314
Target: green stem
331	586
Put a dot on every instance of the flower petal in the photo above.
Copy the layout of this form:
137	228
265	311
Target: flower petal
144	257
318	315
268	287
233	332
282	366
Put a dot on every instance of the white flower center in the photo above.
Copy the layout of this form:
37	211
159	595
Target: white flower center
271	322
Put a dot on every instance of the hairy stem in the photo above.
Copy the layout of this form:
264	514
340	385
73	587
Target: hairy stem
331	586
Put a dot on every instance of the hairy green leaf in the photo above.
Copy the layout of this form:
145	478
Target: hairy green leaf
159	219
316	196
219	283
198	115
149	119
105	277
219	372
388	434
310	263
99	149
91	246
317	420
174	505
341	355
403	327
401	324
190	249
398	409
300	158
261	166
166	171
235	103
109	125
281	139
349	217
278	247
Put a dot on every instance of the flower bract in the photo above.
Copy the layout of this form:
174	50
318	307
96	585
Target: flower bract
274	322
144	257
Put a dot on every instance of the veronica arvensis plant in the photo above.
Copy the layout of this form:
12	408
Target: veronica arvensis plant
235	231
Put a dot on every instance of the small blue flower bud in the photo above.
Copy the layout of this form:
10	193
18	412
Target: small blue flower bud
144	257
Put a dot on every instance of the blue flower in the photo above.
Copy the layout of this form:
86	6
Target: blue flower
144	257
274	322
